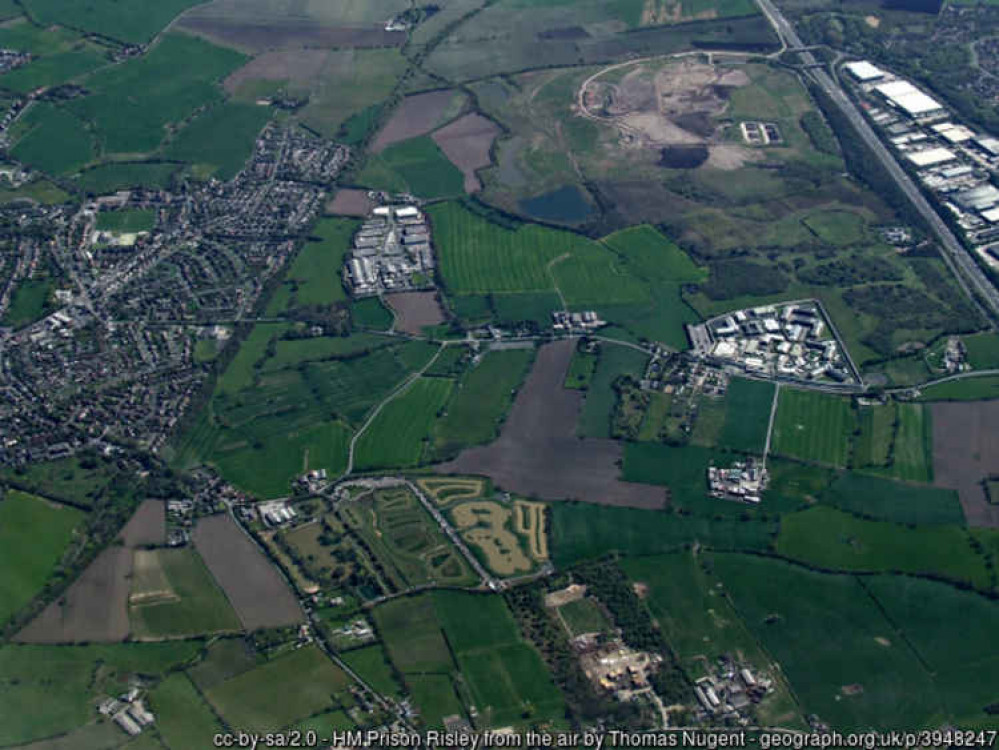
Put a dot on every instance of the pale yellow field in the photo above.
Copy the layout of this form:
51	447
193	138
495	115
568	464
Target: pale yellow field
484	524
455	490
149	582
530	521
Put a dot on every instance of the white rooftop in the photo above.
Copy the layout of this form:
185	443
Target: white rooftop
864	71
991	215
907	97
929	157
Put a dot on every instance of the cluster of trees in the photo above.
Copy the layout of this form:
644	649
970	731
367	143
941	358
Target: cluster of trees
818	132
583	703
729	279
607	582
854	269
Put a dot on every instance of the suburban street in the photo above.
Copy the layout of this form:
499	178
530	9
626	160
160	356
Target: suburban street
969	274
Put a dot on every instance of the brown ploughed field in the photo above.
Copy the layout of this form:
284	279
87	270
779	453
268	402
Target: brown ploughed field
538	453
965	451
414	310
467	142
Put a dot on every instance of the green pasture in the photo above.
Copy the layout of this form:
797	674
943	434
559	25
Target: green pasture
889	500
182	716
481	399
314	276
397	437
435	698
615	361
131	104
109	178
52	139
219	142
747	415
412	635
55	69
48	690
583	532
34	535
135	24
584	616
127	220
581	369
371	315
371	664
982	350
845	662
417	166
280	692
200	606
873	445
813	426
830	539
31	301
912	455
73	479
985	388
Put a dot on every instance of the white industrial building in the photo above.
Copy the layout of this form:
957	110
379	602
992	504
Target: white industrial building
931	156
904	96
864	72
953	133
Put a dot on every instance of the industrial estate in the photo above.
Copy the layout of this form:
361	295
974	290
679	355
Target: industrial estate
512	373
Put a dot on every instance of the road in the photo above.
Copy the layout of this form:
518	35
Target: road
968	273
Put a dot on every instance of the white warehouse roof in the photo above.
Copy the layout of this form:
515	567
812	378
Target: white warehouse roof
907	97
930	156
991	215
864	71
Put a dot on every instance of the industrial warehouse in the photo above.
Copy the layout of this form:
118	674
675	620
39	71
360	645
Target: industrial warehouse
951	160
392	252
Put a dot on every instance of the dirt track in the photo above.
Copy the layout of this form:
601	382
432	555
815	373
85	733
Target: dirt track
538	453
255	589
965	451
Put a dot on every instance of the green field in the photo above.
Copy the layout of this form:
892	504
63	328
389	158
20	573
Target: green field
813	426
830	539
952	632
182	716
314	276
982	350
132	103
219	142
407	542
111	177
912	458
480	400
894	501
371	664
581	369
397	436
193	604
413	635
584	532
128	23
286	406
584	616
873	446
281	692
34	534
614	361
51	139
55	69
747	415
965	389
31	301
417	166
130	220
75	480
371	315
48	690
824	630
506	676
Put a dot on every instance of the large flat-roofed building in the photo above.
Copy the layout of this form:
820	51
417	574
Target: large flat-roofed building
953	133
978	198
989	145
930	157
991	215
864	72
904	96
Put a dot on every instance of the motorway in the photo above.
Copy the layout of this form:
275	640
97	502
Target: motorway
968	273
